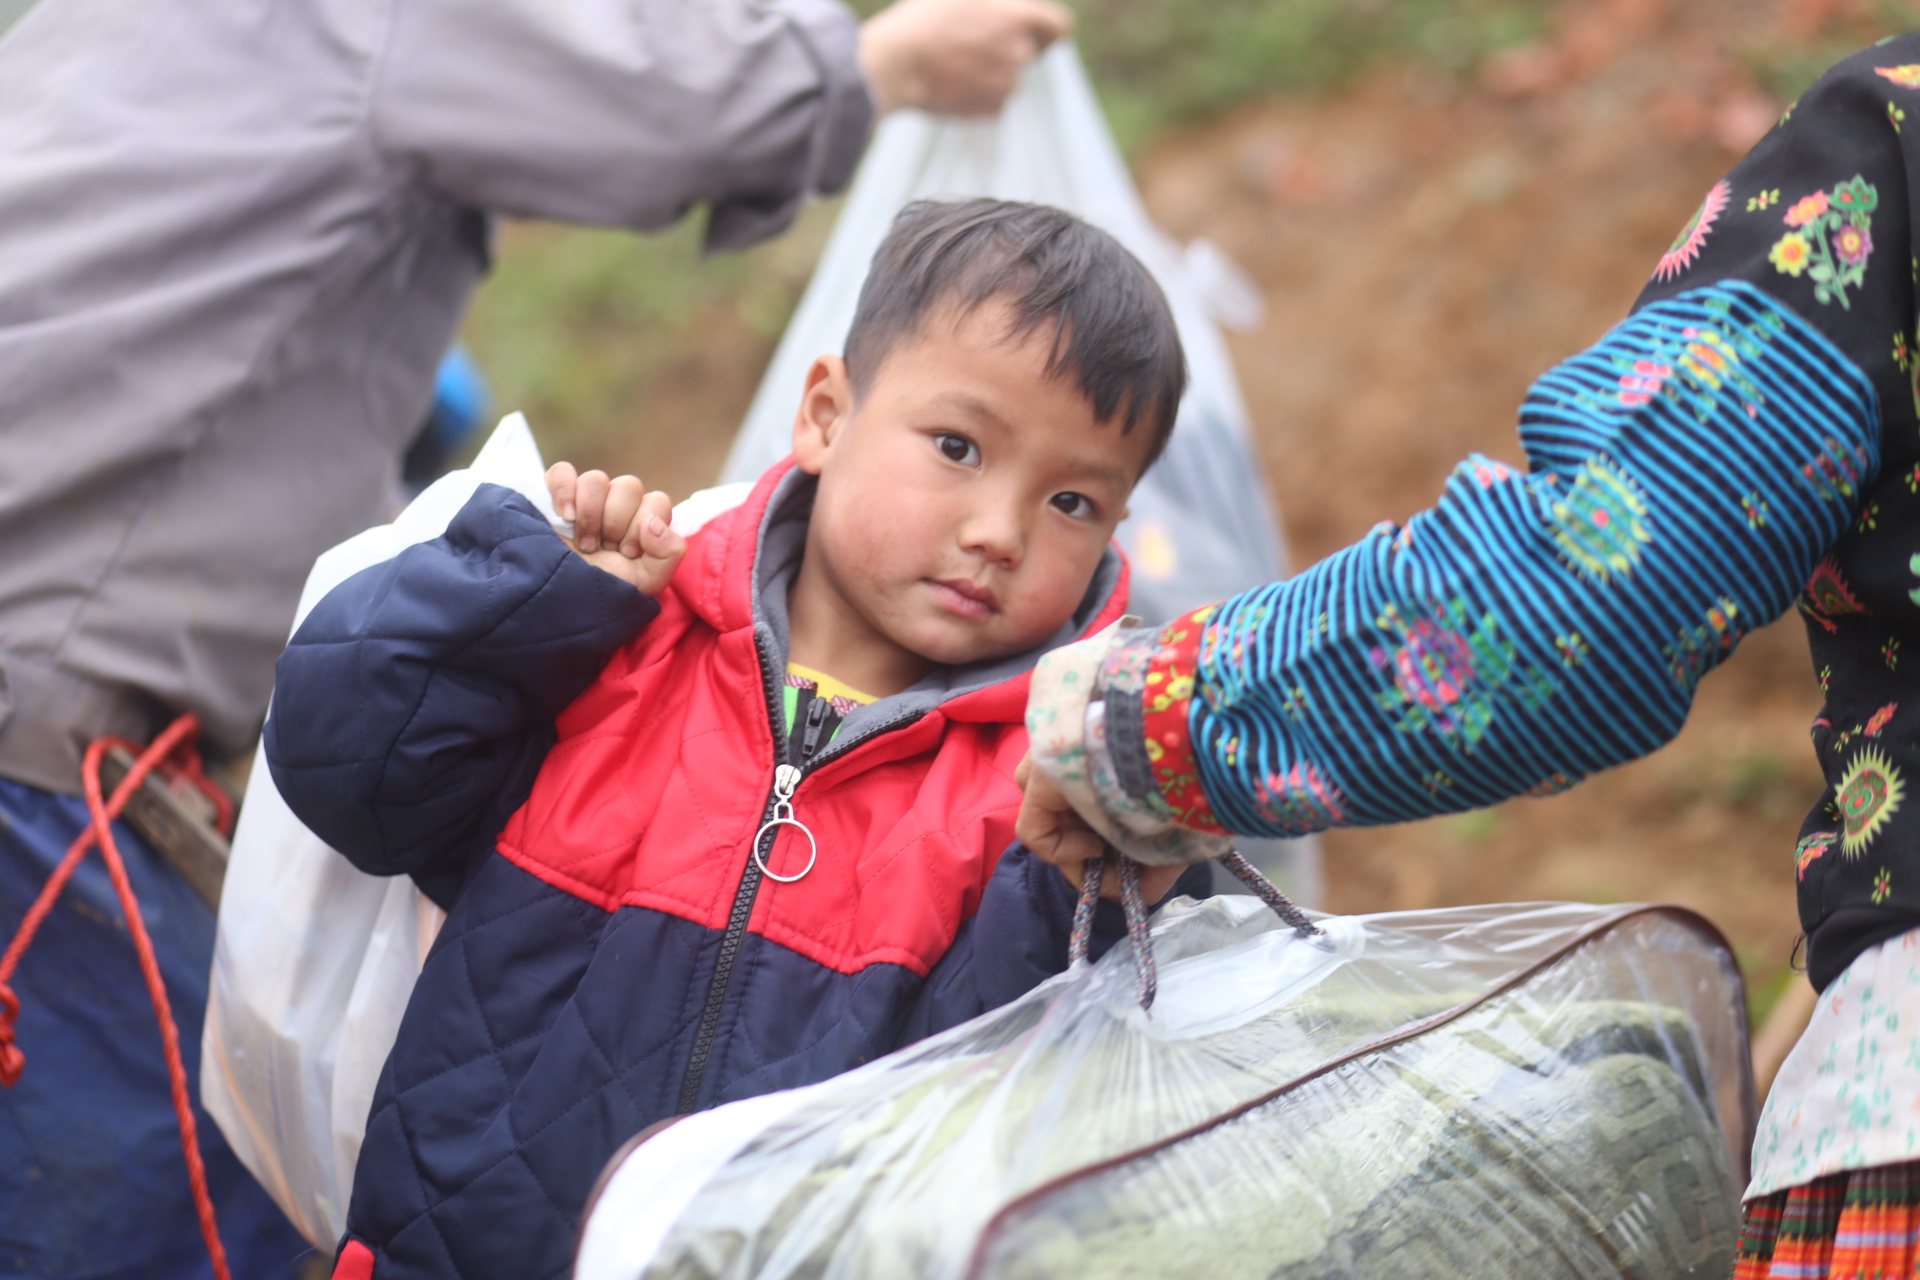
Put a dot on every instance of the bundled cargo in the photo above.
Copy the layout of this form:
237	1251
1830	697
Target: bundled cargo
1534	1091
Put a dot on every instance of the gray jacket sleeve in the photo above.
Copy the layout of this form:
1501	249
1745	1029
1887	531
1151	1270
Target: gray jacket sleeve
627	112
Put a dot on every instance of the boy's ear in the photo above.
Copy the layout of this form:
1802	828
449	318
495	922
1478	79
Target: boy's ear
826	404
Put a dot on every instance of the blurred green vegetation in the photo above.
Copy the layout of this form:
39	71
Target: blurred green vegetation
599	336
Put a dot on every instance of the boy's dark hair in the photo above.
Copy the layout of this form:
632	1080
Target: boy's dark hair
1112	328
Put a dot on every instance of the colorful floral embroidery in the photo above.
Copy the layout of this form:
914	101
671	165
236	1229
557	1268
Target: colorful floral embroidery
1835	473
1913	566
1301	800
1890	654
1686	246
1827	596
1643	383
1437	781
1601	524
1166	707
1869	794
1551	785
1756	510
1573	649
1451	672
1878	720
1831	240
1810	849
1907	77
1765	200
1882	886
1895	117
1869	518
1695	649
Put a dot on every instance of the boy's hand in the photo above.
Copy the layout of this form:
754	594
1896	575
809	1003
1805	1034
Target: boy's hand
618	526
1054	833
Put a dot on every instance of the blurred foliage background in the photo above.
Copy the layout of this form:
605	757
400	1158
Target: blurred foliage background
641	353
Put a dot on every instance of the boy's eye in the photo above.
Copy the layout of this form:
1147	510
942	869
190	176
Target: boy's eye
1074	504
957	448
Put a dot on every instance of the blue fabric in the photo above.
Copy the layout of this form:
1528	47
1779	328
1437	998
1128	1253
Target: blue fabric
92	1181
1532	629
413	710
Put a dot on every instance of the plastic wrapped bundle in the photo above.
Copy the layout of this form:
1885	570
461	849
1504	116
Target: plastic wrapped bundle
1533	1092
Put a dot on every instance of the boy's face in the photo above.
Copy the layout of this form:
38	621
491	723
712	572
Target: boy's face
965	501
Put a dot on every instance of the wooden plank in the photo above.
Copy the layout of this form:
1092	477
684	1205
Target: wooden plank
165	821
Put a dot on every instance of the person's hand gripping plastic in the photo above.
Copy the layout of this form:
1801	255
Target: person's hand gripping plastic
618	525
955	57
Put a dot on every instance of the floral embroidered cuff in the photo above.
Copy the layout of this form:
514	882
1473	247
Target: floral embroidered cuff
1167	684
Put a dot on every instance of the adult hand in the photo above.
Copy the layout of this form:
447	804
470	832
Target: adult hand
955	57
618	526
1054	833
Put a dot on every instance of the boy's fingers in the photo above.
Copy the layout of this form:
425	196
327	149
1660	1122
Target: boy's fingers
633	542
660	545
561	478
590	501
624	495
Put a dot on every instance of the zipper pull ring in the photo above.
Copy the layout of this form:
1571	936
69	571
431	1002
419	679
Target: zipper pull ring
785	779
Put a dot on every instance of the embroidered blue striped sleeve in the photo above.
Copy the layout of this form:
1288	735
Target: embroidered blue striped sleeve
1686	474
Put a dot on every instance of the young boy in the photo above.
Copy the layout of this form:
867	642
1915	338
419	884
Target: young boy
729	813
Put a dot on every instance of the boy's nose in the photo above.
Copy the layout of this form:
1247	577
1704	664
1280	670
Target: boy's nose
995	534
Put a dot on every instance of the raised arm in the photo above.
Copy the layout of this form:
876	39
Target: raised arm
416	702
1687	477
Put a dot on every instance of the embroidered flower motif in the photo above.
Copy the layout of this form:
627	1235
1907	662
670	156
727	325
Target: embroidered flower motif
1810	849
1808	208
1868	796
1831	240
1450	673
1686	246
1551	785
1882	886
1878	720
1695	649
1834	474
1765	200
1301	800
1895	117
1890	654
1853	245
1644	383
1573	648
1907	77
1756	509
1438	781
1869	518
1601	525
1827	596
1791	254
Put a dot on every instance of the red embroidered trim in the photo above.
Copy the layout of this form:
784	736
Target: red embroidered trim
1165	710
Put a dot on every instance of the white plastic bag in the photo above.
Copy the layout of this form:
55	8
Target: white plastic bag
314	960
1201	527
1547	1091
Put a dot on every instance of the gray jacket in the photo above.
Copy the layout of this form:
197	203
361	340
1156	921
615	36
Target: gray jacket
238	236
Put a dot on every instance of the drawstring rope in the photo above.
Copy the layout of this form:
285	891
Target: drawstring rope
1146	978
178	737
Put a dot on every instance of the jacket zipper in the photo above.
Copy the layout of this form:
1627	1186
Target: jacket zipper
743	898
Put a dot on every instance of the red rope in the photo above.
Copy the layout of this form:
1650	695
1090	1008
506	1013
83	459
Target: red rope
177	737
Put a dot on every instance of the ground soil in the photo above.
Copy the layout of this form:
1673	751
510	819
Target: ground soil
1426	249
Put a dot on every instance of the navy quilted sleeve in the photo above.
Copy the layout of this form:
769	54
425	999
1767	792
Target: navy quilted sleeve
415	703
1017	940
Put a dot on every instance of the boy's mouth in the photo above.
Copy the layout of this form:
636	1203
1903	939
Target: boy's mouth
964	598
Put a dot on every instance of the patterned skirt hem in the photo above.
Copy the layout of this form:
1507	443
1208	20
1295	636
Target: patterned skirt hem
1859	1225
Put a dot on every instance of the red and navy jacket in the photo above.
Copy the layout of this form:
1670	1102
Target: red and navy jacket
578	774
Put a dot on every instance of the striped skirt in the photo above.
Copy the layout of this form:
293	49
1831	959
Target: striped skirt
1860	1225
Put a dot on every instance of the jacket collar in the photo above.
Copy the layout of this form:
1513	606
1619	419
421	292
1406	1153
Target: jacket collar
740	564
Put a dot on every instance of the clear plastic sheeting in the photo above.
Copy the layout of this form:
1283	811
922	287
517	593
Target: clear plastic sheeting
1526	1091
